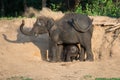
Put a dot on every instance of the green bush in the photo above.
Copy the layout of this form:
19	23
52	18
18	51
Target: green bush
101	7
15	8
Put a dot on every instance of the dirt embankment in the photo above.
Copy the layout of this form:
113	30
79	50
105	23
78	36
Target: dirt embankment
20	55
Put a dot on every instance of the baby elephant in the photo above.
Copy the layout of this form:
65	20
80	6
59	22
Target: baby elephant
70	52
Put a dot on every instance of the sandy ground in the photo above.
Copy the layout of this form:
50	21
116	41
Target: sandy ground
20	55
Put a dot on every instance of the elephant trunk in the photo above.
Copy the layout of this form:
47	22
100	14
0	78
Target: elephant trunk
30	33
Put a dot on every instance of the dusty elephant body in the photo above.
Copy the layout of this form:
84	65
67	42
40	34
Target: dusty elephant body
71	29
70	52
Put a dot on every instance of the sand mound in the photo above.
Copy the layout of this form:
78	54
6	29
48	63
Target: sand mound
30	12
20	55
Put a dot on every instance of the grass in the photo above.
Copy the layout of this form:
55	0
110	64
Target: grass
86	77
107	79
19	78
90	77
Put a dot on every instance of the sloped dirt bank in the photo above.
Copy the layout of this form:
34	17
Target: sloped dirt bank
20	55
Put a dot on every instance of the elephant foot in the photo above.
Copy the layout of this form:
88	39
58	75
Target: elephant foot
59	61
81	59
68	61
55	60
52	61
89	59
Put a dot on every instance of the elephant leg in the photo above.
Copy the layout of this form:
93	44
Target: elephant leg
76	57
63	57
82	54
59	52
55	52
89	54
72	58
63	54
86	44
52	52
68	57
44	55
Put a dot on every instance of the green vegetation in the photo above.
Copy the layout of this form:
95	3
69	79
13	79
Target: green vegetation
107	79
16	8
90	77
87	76
19	78
101	7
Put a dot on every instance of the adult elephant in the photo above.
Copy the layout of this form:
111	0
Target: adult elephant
72	28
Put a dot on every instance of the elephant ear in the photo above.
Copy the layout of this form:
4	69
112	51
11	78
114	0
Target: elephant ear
50	23
40	22
80	26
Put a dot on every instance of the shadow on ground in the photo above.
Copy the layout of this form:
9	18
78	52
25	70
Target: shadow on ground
41	41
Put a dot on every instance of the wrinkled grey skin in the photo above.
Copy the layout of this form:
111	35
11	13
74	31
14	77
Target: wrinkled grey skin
70	52
72	28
